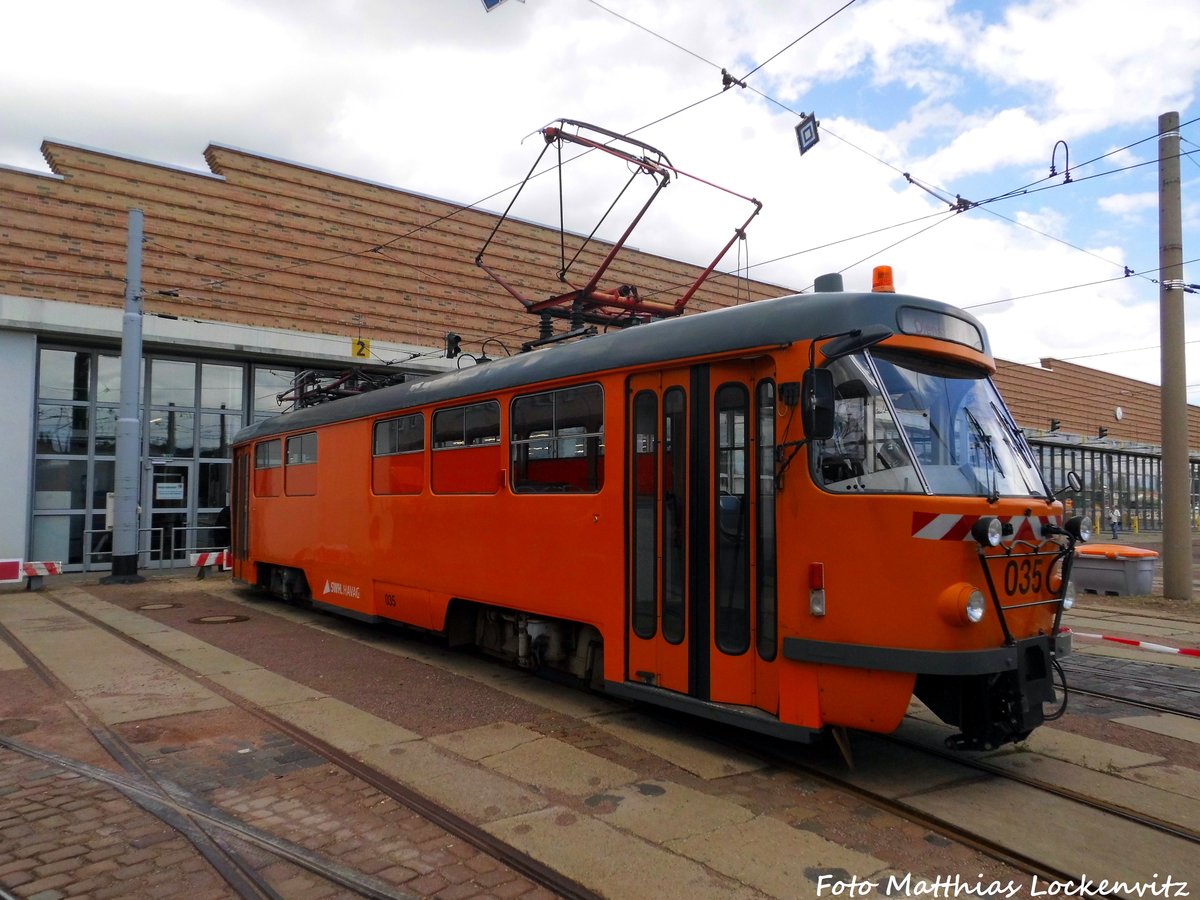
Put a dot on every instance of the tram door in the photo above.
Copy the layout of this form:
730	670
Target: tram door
659	530
701	532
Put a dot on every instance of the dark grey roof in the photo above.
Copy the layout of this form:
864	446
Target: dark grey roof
736	328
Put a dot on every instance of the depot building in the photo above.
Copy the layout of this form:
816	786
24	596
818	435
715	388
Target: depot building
263	278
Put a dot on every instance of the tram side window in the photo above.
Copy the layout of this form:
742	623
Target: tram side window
731	571
398	462
300	473
766	542
558	441
268	460
466	455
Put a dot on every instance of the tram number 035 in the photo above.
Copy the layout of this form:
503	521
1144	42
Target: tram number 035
1023	576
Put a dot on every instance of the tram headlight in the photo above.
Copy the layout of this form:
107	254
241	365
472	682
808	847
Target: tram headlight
988	531
1080	528
962	604
976	607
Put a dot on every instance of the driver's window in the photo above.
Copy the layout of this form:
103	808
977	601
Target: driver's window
867	451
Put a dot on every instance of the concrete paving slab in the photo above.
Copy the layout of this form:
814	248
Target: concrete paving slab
1082	751
1134	796
1117	651
1143	624
1171	725
614	864
10	661
194	653
1064	834
486	740
551	764
127	622
265	688
895	771
705	759
1173	779
662	811
342	725
116	681
775	858
471	792
556	697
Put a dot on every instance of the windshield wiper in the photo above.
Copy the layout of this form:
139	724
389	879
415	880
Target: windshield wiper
989	451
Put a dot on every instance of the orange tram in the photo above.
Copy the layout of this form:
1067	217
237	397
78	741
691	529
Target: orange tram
792	515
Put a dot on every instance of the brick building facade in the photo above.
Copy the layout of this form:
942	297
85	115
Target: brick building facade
256	269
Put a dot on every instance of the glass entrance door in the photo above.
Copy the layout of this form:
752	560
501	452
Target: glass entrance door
170	493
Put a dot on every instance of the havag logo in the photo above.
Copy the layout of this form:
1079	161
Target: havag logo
346	590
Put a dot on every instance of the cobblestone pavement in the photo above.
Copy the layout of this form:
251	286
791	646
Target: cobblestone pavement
66	834
639	804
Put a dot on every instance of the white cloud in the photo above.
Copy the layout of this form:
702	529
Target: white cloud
436	97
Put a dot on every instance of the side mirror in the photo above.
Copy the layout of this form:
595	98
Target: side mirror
1074	485
818	404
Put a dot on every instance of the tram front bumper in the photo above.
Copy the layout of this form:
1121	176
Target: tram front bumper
994	695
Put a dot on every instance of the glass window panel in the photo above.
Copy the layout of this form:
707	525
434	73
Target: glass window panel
216	430
172	381
172	433
108	379
221	386
674	514
268	385
104	443
104	473
645	526
302	449
60	484
403	435
64	374
62	429
268	455
448	428
730	569
214	485
58	539
766	521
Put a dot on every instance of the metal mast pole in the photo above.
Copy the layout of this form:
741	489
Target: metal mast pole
129	432
1176	474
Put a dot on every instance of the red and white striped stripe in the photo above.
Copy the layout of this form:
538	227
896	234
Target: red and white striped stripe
43	568
12	570
212	558
1141	645
952	527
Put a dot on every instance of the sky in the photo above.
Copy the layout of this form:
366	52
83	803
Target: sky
442	97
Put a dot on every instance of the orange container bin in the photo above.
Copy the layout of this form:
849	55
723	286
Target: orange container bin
1114	569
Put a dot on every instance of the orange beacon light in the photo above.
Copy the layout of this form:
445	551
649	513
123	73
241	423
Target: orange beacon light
881	280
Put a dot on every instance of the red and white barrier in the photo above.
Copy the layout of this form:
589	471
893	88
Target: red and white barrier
13	570
1141	645
221	558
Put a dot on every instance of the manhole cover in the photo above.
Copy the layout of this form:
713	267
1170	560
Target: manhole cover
159	606
218	620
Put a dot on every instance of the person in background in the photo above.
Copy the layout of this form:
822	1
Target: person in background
1114	519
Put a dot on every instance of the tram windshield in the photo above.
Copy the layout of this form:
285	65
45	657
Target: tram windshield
906	423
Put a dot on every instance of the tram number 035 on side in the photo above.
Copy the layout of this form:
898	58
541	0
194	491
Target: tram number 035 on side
1026	576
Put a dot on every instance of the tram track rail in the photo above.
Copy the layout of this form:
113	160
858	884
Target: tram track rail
202	825
450	822
973	770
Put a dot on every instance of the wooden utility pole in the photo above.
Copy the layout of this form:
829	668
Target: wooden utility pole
1176	468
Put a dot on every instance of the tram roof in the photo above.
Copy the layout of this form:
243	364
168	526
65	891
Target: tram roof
781	320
